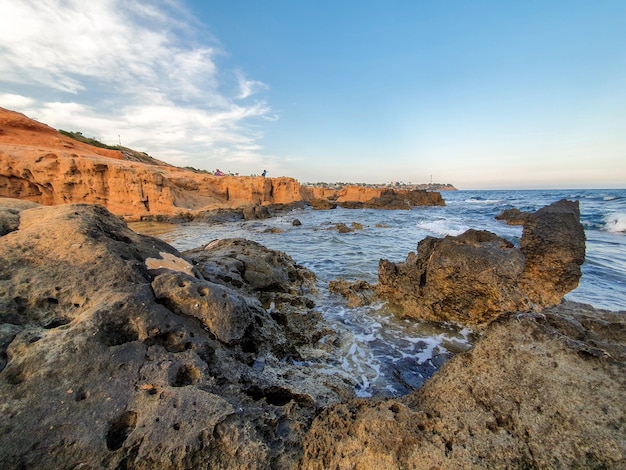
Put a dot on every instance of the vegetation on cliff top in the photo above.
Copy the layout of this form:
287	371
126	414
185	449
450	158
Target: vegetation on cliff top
129	154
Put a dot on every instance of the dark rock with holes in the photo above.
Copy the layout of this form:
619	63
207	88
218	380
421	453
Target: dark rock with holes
247	264
225	312
476	276
117	352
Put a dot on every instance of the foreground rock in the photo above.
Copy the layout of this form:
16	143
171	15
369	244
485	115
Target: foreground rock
474	277
118	352
535	392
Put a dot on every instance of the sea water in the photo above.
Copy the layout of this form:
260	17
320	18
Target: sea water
379	352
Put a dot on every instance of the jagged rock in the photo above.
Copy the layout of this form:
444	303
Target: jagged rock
97	372
474	277
357	293
553	244
513	216
239	262
469	279
536	391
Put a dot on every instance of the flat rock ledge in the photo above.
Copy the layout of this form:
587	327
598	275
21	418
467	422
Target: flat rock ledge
118	352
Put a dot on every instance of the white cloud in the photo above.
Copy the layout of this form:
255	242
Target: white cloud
11	101
248	87
138	70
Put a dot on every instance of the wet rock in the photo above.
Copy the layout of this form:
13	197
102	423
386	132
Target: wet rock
357	293
107	361
343	228
296	223
322	204
256	212
528	395
474	277
513	216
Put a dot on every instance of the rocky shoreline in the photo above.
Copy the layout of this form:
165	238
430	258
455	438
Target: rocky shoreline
117	351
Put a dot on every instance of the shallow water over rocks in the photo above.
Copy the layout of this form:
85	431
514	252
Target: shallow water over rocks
373	348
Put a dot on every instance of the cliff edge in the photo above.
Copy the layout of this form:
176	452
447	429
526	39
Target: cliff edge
41	165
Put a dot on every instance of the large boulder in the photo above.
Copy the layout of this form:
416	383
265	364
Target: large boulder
553	244
474	277
116	352
536	391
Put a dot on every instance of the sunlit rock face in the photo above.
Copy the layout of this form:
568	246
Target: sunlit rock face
536	391
474	277
41	165
117	351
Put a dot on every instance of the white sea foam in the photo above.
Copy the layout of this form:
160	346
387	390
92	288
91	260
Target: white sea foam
473	200
443	227
615	223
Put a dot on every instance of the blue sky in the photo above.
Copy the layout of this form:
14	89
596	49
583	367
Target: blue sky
480	94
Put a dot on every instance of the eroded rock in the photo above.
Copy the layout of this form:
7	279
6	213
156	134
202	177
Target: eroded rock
98	371
536	391
357	293
474	277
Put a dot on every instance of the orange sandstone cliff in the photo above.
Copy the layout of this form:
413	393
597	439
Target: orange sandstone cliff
39	164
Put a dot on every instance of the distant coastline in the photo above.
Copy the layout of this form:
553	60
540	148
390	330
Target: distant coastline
393	184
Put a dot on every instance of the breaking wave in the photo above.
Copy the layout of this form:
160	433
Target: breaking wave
615	223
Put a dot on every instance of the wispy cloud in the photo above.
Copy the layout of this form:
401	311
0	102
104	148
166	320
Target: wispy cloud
248	87
139	70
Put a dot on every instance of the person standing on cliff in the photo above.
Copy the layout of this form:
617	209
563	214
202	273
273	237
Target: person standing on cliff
264	173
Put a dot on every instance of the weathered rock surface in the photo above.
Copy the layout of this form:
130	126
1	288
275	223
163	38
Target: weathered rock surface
357	293
117	352
41	165
9	213
535	392
474	277
513	216
106	361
